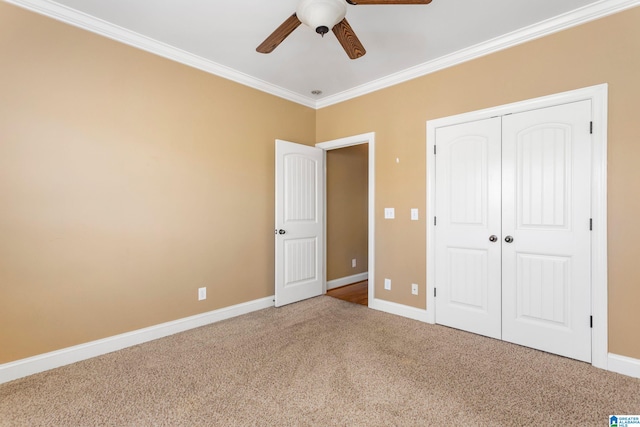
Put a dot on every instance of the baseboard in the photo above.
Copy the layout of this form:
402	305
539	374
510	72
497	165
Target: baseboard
344	281
21	368
624	365
615	363
43	362
399	309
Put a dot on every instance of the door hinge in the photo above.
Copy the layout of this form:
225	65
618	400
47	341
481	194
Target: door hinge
590	224
434	150
435	221
591	321
434	292
591	127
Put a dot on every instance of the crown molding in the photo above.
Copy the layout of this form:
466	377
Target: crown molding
574	18
87	22
90	23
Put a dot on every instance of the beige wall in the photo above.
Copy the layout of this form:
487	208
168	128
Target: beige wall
604	51
127	181
347	210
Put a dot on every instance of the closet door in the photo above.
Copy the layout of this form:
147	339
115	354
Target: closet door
546	238
468	215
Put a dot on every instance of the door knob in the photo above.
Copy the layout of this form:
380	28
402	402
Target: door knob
493	238
281	231
508	239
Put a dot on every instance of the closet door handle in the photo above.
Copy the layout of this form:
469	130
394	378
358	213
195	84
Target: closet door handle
493	238
508	239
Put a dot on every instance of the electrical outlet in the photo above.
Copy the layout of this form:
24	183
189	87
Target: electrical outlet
353	263
414	289
202	294
387	284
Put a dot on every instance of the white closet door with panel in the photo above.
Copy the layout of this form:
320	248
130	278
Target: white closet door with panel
468	214
546	210
512	240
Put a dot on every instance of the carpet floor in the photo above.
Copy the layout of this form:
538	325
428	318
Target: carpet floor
321	362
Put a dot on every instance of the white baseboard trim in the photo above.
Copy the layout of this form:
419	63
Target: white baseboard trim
344	281
43	362
399	309
624	365
32	365
615	363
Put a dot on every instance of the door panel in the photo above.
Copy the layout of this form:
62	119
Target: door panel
300	260
299	210
542	289
468	212
300	188
543	172
468	279
546	279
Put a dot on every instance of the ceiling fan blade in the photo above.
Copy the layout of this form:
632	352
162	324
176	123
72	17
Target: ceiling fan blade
281	33
388	1
348	39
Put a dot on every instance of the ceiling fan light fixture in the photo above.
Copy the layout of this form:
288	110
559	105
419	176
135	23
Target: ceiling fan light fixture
321	15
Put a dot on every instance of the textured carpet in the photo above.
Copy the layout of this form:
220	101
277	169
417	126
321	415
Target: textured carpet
321	362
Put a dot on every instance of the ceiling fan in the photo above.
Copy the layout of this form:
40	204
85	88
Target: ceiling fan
323	15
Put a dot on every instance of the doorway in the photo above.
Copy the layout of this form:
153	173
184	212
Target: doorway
340	270
346	222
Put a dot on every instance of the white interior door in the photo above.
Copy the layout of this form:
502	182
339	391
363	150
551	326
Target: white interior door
546	269
299	211
467	241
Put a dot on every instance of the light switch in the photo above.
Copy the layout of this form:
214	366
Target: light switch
389	213
414	214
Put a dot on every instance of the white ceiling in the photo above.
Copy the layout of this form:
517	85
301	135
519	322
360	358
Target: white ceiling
401	41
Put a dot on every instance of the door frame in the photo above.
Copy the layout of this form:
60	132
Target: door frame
365	138
598	95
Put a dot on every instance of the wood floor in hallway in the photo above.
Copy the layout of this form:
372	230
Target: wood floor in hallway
356	292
